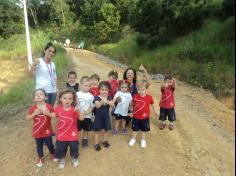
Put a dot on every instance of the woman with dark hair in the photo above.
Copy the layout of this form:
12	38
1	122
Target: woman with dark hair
131	76
44	71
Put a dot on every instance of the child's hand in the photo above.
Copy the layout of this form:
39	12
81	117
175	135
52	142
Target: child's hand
45	112
118	99
156	114
111	103
130	114
142	68
81	116
37	112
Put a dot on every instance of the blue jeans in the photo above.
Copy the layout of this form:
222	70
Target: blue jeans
51	98
47	141
61	149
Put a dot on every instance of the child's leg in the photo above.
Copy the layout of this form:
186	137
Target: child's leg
143	135
104	139
117	124
103	135
39	146
162	118
123	123
74	150
85	134
49	144
171	118
96	141
96	137
134	134
61	148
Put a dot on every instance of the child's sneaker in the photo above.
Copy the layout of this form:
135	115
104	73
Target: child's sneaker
132	142
97	147
115	132
40	162
143	143
62	164
105	144
52	157
84	143
124	131
162	126
75	162
171	127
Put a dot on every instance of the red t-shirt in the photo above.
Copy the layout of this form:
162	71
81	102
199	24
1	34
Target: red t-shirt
114	87
167	98
94	91
142	106
66	124
41	124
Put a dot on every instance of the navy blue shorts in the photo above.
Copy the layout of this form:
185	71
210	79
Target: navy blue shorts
170	113
140	125
101	123
120	117
61	149
85	125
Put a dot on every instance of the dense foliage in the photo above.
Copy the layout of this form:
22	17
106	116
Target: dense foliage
157	25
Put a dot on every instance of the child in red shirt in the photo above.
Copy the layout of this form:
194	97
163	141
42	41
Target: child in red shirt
67	133
41	114
167	103
94	90
114	82
141	112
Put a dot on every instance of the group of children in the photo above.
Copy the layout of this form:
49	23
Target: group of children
90	105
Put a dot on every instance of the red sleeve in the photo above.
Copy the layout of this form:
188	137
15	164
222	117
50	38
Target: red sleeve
151	100
76	114
50	108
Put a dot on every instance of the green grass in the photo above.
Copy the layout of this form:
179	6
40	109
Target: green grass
204	58
21	92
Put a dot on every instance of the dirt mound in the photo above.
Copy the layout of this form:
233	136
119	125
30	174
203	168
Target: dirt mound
11	72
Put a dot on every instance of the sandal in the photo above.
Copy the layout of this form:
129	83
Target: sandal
162	126
97	147
105	144
171	127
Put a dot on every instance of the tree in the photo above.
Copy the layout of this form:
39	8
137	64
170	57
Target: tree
33	7
108	24
163	20
101	18
11	18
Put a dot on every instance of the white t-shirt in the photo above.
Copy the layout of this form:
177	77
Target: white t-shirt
84	102
123	106
45	75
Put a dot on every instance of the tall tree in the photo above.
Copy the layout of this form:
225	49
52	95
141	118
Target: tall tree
11	18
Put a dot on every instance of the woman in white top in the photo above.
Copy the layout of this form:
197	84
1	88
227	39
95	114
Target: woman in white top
45	73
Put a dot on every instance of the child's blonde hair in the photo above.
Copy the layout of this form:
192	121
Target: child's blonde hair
142	83
84	79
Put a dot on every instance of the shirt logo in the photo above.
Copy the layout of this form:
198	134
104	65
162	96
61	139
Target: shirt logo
73	134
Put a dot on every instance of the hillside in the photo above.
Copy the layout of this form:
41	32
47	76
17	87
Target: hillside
205	58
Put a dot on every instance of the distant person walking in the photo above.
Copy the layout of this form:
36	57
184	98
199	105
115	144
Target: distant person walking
44	71
81	45
67	41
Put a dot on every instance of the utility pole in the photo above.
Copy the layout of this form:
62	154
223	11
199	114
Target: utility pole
30	61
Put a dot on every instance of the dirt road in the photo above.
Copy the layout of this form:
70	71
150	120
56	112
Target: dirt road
202	143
